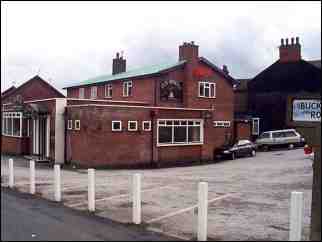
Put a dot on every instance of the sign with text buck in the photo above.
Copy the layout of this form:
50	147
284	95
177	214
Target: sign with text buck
306	110
304	114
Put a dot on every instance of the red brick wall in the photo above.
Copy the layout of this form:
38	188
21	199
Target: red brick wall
243	130
14	145
142	91
96	145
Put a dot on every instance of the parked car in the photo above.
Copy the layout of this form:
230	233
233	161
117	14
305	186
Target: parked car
240	148
278	138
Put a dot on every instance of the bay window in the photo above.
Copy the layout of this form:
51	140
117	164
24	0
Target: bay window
180	132
12	124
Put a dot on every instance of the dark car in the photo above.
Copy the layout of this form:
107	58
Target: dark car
240	148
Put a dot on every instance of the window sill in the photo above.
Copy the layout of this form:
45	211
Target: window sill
178	144
107	97
207	97
13	136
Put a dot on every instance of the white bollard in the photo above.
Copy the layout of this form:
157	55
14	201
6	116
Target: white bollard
32	177
91	190
296	216
57	183
202	211
11	174
136	198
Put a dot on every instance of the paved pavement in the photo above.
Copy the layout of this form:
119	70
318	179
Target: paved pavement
252	194
26	218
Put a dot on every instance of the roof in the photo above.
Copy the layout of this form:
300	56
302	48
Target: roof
8	91
316	63
287	77
220	71
139	72
38	78
149	70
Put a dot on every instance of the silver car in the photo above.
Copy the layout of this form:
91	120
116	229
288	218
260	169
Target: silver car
278	138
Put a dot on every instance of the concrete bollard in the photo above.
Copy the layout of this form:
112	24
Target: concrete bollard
91	190
11	173
136	198
32	177
57	183
296	216
202	211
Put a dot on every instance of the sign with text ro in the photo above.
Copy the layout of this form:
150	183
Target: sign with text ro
307	110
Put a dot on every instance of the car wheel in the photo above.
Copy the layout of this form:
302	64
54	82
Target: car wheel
265	148
291	146
253	153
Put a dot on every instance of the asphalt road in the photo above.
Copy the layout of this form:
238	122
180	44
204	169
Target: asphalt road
27	218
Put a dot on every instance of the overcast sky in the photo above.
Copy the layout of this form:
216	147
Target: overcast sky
66	42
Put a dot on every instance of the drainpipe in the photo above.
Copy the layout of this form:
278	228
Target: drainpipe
65	136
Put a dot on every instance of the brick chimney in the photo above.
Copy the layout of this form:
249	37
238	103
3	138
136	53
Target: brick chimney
290	52
188	51
119	64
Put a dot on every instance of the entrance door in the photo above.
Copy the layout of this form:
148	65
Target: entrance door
41	136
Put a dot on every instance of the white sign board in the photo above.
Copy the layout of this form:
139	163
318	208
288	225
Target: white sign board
307	110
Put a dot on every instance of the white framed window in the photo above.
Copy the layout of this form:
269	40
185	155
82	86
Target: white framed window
146	125
108	90
70	124
116	125
207	89
12	124
127	88
255	126
172	132
81	93
224	124
132	125
93	92
77	124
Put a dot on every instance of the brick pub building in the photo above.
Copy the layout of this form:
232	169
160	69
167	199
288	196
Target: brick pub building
172	112
32	121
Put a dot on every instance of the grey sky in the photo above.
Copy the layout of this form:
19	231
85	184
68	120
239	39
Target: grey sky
70	42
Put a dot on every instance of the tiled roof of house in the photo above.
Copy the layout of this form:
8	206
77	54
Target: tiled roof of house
147	70
287	77
8	91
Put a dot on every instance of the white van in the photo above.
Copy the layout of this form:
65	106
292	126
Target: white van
285	137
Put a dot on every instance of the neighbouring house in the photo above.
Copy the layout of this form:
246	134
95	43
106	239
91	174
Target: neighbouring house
32	120
246	126
264	98
171	112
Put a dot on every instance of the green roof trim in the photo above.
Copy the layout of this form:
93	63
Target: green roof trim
148	70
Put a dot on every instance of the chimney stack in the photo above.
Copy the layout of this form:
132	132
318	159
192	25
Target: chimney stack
119	64
292	52
188	51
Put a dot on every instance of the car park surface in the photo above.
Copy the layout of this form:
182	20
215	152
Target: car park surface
249	198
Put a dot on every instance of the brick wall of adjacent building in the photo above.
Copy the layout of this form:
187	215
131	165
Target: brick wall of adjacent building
243	130
14	145
96	145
